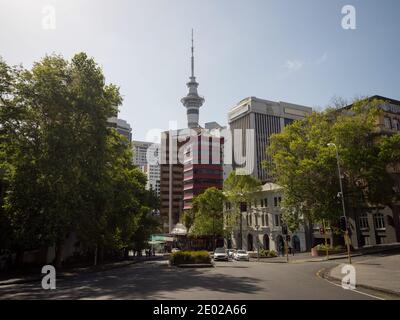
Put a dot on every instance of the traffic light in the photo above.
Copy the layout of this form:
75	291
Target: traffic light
343	223
284	229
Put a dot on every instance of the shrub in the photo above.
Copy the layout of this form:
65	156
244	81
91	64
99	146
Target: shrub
268	253
272	254
322	247
264	253
190	257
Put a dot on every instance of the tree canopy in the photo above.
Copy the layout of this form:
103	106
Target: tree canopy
62	168
238	189
208	213
306	166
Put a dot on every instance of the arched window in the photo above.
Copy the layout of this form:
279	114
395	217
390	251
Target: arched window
263	219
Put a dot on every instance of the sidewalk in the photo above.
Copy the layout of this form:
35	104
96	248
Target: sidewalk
306	256
380	273
65	273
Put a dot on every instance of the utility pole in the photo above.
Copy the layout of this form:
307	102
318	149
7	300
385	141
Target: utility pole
346	234
326	240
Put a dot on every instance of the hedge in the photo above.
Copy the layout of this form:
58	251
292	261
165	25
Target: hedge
268	253
190	257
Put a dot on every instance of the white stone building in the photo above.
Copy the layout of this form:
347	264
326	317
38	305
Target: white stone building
261	222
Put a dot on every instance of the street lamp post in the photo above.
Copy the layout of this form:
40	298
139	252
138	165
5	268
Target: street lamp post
258	243
347	239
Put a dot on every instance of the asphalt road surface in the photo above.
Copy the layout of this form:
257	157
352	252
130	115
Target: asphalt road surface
228	280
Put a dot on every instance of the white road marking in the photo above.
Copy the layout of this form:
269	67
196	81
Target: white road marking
360	292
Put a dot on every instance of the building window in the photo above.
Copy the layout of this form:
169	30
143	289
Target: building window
266	219
379	221
277	201
387	122
396	124
363	221
250	219
277	220
381	240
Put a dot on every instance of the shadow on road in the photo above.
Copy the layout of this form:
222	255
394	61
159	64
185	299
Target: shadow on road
144	281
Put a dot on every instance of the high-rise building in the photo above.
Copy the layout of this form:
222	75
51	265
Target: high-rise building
152	173
258	119
171	178
202	167
140	152
151	167
122	126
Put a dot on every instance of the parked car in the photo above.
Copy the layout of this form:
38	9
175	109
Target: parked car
241	255
231	253
175	250
221	254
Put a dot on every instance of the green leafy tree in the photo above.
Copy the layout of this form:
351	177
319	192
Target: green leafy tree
239	189
62	169
305	166
208	214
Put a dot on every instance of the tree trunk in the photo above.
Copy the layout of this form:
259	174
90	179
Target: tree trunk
59	254
126	253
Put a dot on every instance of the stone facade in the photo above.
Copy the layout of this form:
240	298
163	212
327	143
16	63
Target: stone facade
261	222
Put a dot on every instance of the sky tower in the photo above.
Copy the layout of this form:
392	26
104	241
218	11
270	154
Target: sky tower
192	102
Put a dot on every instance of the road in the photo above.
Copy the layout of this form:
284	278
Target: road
228	280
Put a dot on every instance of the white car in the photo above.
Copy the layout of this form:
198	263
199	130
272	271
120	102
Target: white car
241	255
231	253
220	254
175	250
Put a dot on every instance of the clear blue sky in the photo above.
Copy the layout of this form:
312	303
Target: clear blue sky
294	51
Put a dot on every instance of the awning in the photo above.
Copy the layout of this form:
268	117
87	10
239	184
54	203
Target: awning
161	238
156	242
